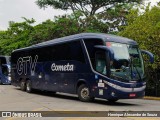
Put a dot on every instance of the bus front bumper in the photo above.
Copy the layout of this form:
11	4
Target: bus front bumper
111	93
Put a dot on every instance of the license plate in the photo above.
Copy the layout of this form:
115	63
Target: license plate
132	95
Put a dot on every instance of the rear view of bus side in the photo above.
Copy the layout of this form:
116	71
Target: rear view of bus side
88	64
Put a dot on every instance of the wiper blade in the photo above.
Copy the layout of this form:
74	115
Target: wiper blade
137	72
132	64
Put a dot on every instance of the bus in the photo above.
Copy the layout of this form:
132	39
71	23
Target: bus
91	65
5	70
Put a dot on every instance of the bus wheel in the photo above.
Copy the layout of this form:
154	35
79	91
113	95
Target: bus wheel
112	100
28	86
23	85
84	94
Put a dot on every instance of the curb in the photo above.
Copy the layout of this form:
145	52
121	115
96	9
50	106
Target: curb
151	98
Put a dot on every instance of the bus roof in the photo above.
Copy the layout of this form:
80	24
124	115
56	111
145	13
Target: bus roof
103	36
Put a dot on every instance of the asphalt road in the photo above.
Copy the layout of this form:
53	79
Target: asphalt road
13	99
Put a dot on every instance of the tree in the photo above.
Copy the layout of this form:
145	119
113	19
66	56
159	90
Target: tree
87	7
17	36
60	27
23	34
102	15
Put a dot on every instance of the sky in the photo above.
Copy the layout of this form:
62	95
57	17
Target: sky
14	10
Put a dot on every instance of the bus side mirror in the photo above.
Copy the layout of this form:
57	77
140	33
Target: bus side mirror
149	54
108	49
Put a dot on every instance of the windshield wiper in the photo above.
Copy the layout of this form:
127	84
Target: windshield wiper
136	70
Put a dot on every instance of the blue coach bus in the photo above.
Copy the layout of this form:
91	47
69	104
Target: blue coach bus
5	70
88	64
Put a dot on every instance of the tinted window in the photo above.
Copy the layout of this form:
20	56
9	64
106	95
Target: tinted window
90	43
3	60
101	62
5	70
64	51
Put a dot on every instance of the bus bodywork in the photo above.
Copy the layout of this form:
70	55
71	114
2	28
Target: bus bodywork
88	64
5	70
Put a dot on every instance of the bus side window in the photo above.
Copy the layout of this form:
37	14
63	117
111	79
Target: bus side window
90	43
100	62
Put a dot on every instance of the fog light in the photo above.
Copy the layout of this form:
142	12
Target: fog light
112	93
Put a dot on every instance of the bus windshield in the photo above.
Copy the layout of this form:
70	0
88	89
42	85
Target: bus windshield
127	64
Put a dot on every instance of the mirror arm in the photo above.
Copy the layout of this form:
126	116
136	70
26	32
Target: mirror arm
149	54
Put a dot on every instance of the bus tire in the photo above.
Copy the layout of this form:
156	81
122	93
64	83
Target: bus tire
28	86
23	85
112	100
84	93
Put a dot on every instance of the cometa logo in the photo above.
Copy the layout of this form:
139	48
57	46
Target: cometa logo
66	67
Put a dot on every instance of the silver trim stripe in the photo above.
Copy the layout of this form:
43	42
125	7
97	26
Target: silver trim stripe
123	89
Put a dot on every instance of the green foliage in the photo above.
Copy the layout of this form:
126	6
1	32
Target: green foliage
16	36
98	15
23	34
87	7
60	27
115	17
